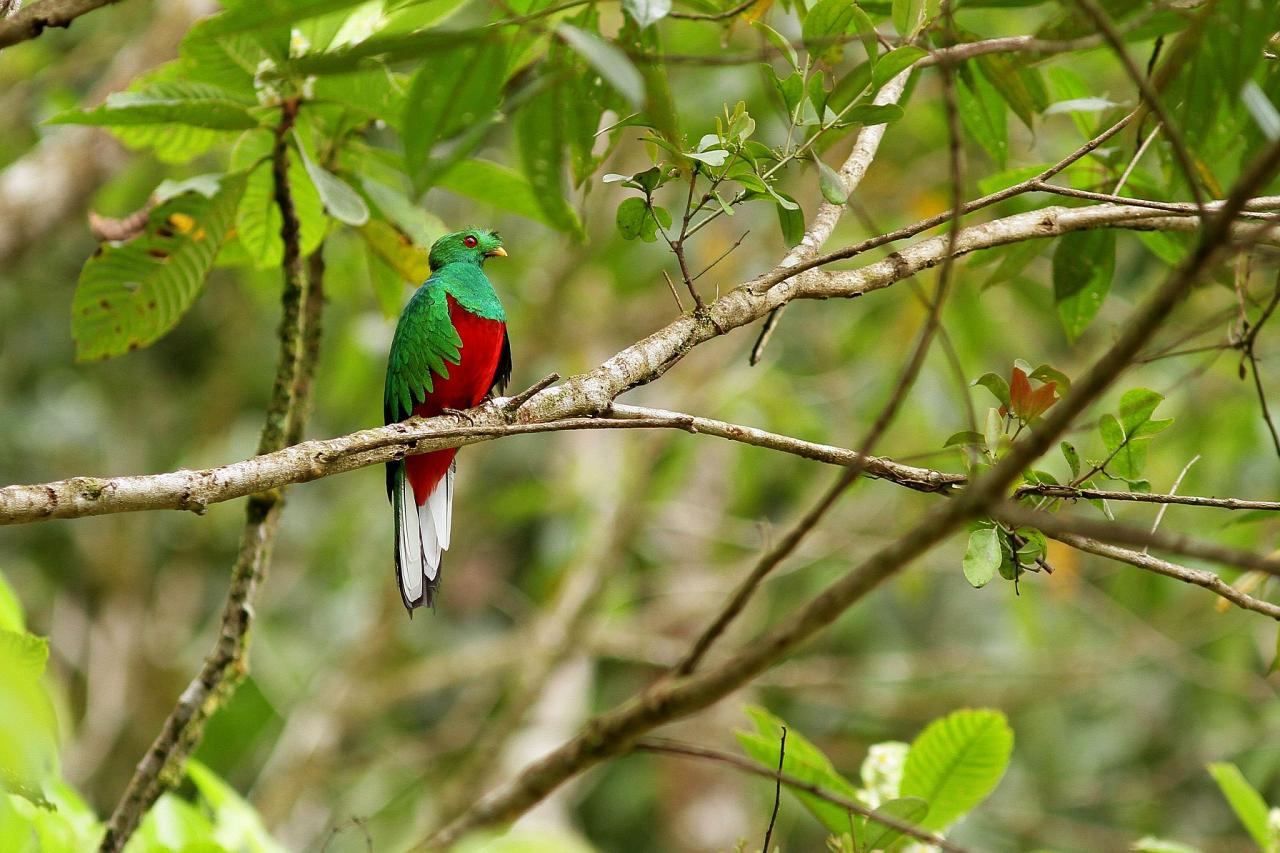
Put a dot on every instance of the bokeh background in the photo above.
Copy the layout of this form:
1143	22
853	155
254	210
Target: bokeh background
593	558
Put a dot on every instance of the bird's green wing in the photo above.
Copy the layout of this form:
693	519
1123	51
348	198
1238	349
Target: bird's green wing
424	345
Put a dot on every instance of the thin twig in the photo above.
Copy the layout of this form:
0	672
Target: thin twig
1177	483
777	791
666	746
787	545
1073	493
1150	96
1198	577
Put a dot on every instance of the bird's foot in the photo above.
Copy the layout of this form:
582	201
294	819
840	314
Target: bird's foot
459	413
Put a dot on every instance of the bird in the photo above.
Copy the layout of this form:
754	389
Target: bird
450	350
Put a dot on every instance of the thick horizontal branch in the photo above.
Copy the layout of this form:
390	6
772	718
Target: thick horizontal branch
32	20
195	490
1146	562
573	403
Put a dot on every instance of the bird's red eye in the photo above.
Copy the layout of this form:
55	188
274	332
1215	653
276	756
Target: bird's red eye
470	242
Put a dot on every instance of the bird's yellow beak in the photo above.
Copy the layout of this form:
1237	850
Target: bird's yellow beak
500	252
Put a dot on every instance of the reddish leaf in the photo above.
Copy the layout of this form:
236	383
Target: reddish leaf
1044	397
1020	393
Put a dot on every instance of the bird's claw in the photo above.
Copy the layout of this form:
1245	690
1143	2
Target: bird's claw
459	413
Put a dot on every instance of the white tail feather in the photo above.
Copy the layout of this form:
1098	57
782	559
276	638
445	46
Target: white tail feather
409	545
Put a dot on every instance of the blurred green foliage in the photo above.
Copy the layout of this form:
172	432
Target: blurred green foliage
357	725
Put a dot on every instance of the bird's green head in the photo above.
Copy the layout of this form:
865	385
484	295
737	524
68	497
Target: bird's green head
472	246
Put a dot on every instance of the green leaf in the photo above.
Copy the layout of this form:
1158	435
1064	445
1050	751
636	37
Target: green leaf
781	42
982	557
1008	80
262	15
878	836
446	97
397	251
258	216
237	824
632	216
606	58
1083	264
894	63
11	617
802	760
538	131
997	385
831	184
1128	457
964	438
1072	456
790	219
956	762
1136	407
1048	373
1244	800
984	115
866	114
343	203
824	28
193	104
907	16
647	12
498	185
129	295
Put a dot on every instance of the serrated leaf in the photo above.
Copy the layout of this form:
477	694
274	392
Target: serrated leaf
981	557
1244	800
956	762
171	103
129	295
802	760
609	60
258	215
878	836
1083	265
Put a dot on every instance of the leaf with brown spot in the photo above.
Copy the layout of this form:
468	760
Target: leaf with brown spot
130	294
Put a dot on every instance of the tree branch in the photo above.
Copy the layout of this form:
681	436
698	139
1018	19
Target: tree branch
613	732
1198	577
31	21
570	404
227	663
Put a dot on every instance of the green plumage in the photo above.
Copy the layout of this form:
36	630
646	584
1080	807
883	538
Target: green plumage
426	342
